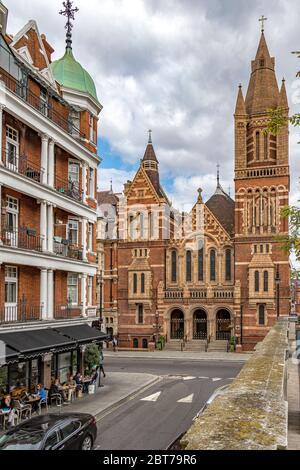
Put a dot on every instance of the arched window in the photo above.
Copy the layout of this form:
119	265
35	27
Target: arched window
145	343
266	150
135	343
213	276
266	281
201	265
261	315
228	265
140	314
135	283
256	281
188	266
257	145
142	226
174	266
143	283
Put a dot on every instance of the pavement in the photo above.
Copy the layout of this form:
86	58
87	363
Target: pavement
293	395
119	387
192	356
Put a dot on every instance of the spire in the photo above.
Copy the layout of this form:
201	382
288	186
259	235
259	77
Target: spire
111	186
69	12
240	109
283	100
150	153
263	92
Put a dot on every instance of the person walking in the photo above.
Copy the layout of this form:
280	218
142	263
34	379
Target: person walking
101	361
115	343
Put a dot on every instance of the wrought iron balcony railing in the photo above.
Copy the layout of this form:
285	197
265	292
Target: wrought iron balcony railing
67	250
20	312
66	311
69	188
24	238
23	166
44	108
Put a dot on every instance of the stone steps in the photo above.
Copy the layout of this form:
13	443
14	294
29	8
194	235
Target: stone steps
218	346
196	346
173	346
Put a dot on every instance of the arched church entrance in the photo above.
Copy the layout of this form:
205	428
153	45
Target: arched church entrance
223	330
177	324
200	324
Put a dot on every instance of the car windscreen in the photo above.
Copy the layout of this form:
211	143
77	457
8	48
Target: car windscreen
21	440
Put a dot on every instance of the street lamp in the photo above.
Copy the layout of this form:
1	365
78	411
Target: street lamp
100	290
277	282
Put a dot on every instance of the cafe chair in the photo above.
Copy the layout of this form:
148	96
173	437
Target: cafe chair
4	420
57	398
44	401
23	411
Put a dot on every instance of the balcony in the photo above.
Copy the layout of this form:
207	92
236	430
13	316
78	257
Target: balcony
22	91
24	238
67	311
210	295
20	312
23	166
69	188
65	249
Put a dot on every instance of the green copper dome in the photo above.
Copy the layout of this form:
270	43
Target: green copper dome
70	74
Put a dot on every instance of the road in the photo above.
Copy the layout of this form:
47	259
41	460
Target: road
170	404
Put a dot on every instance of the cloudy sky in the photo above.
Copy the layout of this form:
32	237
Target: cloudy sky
173	66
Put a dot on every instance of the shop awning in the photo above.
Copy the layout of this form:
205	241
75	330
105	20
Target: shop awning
8	355
82	334
36	342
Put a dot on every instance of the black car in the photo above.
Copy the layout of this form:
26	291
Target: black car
74	431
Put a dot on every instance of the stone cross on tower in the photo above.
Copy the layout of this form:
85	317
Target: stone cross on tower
69	12
262	21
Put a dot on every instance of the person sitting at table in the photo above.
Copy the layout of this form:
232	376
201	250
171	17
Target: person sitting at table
78	381
40	394
7	408
56	389
71	384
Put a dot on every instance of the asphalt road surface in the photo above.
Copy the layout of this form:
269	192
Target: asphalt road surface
156	417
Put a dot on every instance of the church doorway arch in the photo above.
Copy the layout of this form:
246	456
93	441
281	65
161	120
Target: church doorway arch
177	324
200	324
223	330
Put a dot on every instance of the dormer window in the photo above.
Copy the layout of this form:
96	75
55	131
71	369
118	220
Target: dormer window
92	129
262	63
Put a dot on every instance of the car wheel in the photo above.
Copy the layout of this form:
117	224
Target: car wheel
87	443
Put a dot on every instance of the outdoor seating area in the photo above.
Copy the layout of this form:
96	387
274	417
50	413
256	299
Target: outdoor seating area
21	405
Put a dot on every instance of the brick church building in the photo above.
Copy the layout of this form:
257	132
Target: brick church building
201	278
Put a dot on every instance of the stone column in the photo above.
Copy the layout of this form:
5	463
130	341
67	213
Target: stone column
43	224
44	158
51	164
1	132
84	238
0	213
50	228
84	181
44	294
50	294
83	293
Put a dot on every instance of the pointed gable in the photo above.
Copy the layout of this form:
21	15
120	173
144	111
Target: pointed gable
283	100
240	109
263	92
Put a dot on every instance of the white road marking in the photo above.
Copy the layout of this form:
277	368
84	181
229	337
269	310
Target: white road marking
153	397
216	379
204	378
188	399
189	378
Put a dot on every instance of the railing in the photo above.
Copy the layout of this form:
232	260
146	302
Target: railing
23	166
23	238
20	313
65	311
35	101
198	294
68	251
174	294
223	294
69	188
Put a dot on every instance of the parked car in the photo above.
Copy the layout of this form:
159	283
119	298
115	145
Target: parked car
220	391
74	431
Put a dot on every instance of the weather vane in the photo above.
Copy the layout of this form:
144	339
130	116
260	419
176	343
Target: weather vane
262	20
150	136
69	12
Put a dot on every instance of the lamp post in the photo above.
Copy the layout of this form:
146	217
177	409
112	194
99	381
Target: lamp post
100	290
277	282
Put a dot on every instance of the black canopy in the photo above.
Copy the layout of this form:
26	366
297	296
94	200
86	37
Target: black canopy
82	334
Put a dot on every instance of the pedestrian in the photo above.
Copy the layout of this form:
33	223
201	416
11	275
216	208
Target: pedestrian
101	361
115	343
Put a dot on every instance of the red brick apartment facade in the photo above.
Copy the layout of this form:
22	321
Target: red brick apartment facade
225	277
48	185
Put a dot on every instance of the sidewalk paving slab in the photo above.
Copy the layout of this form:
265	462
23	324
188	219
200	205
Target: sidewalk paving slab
293	396
192	356
119	387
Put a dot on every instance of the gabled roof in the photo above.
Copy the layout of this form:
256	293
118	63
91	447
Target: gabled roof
222	207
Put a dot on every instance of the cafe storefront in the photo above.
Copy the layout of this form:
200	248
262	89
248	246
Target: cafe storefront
38	356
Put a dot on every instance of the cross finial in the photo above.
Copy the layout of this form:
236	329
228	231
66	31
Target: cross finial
150	136
218	174
262	21
69	12
111	185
